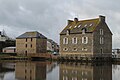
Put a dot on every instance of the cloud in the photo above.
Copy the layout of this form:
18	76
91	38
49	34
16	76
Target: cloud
50	16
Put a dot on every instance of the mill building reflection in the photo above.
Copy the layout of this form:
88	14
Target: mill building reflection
78	71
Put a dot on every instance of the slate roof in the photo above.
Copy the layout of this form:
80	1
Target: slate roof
33	34
76	27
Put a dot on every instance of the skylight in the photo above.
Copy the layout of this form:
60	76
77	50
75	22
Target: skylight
75	26
91	24
79	26
85	25
70	27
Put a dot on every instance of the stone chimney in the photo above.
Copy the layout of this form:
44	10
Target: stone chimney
75	20
101	18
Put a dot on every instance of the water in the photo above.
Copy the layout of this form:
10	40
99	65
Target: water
58	71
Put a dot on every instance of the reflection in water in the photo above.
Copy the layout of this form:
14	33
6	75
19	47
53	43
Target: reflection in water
116	72
73	71
62	71
31	71
6	72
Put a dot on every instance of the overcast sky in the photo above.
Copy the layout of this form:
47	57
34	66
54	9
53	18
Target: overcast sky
49	17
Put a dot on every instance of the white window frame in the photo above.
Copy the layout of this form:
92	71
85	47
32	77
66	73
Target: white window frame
75	26
65	49
65	40
74	78
65	78
101	40
101	31
74	40
75	49
84	49
84	41
79	26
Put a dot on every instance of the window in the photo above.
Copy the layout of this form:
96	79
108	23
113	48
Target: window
65	78
25	71
74	49
101	51
83	31
31	45
101	40
91	24
65	49
25	77
75	26
74	78
25	53
74	40
31	39
70	27
85	25
84	49
68	32
26	39
84	40
101	31
65	40
26	45
79	26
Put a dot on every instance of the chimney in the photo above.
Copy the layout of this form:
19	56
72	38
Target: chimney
69	22
102	18
75	20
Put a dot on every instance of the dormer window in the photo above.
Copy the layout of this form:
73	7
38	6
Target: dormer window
68	32
91	24
75	26
79	26
85	25
74	49
101	31
84	30
70	27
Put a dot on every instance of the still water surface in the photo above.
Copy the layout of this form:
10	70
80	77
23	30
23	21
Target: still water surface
59	71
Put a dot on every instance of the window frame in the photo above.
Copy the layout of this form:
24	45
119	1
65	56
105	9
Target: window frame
101	32
65	49
65	40
74	40
85	40
101	40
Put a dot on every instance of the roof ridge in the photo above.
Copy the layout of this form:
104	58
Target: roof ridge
88	19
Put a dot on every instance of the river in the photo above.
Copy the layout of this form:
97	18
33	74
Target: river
59	71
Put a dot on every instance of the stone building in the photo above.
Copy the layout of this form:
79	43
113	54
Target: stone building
31	42
52	46
86	37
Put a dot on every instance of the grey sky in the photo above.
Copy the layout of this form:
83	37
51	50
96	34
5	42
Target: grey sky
49	17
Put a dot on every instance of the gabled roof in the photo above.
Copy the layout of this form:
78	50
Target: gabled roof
77	26
33	34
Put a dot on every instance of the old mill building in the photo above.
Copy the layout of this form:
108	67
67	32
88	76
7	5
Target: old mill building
86	37
31	42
